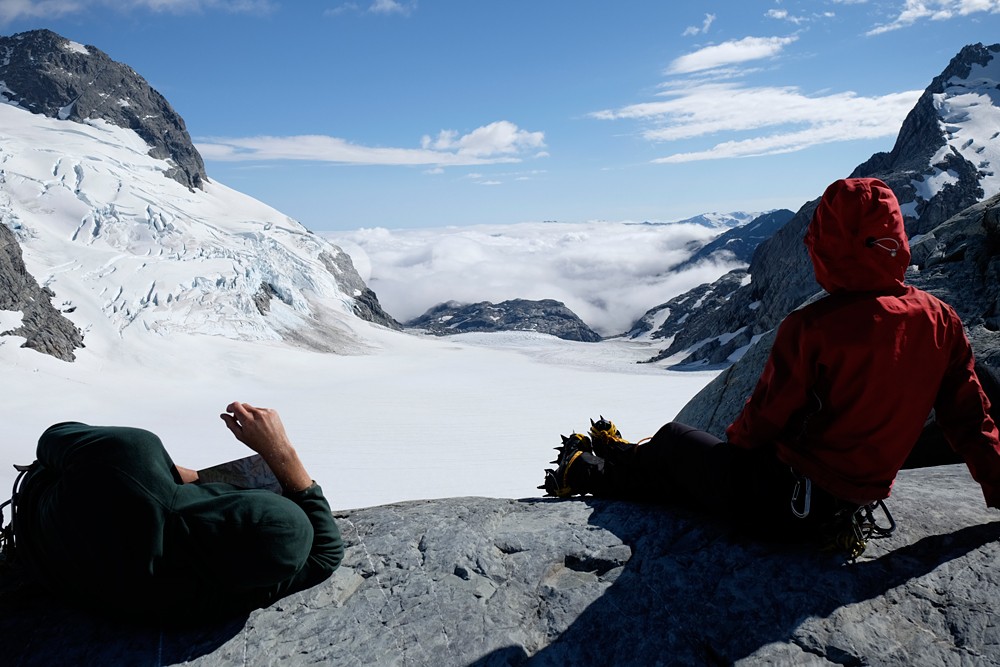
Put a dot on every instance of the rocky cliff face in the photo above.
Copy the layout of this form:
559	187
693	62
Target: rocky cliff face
50	75
926	147
42	326
546	316
477	581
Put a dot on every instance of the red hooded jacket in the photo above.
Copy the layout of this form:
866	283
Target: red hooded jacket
852	377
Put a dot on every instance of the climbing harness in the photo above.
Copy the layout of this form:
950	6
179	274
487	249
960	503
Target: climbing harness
7	541
851	526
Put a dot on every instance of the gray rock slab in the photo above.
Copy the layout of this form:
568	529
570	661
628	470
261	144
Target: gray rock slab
479	581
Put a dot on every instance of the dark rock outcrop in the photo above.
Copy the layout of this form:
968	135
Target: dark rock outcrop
44	328
364	301
546	316
50	75
476	581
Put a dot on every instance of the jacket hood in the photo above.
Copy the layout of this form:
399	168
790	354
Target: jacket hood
856	239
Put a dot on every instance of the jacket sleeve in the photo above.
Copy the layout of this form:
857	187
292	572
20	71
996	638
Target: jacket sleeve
781	390
327	548
962	411
324	557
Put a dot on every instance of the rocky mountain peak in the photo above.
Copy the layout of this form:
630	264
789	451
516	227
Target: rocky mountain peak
48	74
938	165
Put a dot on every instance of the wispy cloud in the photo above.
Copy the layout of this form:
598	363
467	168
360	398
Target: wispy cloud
11	10
793	119
783	15
384	7
391	7
703	98
497	142
695	30
17	9
729	53
935	10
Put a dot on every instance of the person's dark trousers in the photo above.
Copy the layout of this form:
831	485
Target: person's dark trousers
687	467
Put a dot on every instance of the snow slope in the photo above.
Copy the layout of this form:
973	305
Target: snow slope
128	250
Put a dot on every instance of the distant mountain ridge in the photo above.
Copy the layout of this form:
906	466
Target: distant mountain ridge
546	316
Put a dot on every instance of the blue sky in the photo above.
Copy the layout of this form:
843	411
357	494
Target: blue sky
401	113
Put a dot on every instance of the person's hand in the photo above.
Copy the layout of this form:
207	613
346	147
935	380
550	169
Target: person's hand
187	475
261	430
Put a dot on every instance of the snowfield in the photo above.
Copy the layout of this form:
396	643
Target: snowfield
418	417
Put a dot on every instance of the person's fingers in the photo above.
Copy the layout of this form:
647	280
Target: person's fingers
231	424
242	412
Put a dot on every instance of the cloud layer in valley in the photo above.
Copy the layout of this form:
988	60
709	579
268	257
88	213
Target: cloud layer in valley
608	273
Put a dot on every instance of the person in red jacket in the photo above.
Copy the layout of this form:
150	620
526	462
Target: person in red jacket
842	400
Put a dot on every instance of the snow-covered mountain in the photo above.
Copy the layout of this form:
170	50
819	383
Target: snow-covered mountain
714	220
50	75
126	250
945	159
947	154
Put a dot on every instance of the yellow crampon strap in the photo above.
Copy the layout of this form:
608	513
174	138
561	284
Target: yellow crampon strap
564	487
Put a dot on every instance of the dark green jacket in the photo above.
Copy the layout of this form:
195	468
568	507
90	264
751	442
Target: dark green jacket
104	519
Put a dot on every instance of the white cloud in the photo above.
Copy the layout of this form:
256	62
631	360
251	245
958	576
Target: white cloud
783	15
729	53
608	273
11	10
704	109
935	10
695	30
391	7
783	119
497	142
501	137
375	7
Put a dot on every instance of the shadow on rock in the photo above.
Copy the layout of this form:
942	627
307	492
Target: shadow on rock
692	595
39	629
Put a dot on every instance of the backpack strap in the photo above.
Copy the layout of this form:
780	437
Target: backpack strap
7	540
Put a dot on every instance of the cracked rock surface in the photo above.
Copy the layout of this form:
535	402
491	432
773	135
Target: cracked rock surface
479	581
